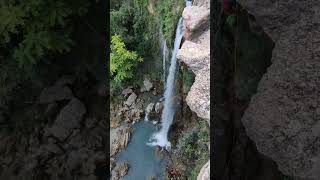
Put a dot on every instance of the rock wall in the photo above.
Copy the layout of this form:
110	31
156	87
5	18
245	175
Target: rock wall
283	117
195	53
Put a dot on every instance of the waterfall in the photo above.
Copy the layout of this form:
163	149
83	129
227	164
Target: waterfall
165	55
161	138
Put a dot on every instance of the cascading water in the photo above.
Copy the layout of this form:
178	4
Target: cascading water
161	138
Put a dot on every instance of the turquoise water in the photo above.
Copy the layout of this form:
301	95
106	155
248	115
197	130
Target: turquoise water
143	161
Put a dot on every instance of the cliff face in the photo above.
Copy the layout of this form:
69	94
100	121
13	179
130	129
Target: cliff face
195	53
283	118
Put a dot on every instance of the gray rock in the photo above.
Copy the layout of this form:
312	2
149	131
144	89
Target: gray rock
198	98
195	17
55	93
68	119
280	119
131	99
159	107
194	56
150	107
127	91
120	170
147	85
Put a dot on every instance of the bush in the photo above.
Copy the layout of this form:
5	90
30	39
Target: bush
192	149
122	61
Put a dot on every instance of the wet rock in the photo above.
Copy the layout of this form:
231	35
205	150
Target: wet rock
127	91
120	170
112	163
159	107
55	93
195	17
68	119
147	85
131	99
150	107
123	137
204	173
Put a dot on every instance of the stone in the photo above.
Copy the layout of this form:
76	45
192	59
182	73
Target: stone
150	107
198	98
131	99
52	109
289	135
195	17
68	119
159	107
147	85
195	56
127	91
120	170
204	173
122	138
55	93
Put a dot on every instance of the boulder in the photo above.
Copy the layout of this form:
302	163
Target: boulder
282	116
120	170
195	56
159	107
150	107
147	85
121	140
195	17
55	93
127	91
131	99
198	98
68	119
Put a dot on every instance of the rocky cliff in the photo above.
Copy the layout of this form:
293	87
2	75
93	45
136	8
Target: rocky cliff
195	53
283	117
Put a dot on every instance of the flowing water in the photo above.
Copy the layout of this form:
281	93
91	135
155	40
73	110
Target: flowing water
165	56
143	161
161	138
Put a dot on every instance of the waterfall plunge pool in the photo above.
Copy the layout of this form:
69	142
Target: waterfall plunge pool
144	163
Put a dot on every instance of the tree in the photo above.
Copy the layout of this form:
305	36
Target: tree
122	61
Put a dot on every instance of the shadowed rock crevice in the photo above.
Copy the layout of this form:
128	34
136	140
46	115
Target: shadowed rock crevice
242	54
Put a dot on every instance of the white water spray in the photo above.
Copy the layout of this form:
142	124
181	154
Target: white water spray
161	138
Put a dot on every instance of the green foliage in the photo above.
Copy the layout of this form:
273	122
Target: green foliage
122	61
169	12
192	149
31	30
231	20
188	79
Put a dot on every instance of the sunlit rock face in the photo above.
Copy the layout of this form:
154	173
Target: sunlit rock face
283	118
195	53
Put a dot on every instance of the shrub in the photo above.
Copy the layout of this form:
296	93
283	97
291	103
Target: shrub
122	61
